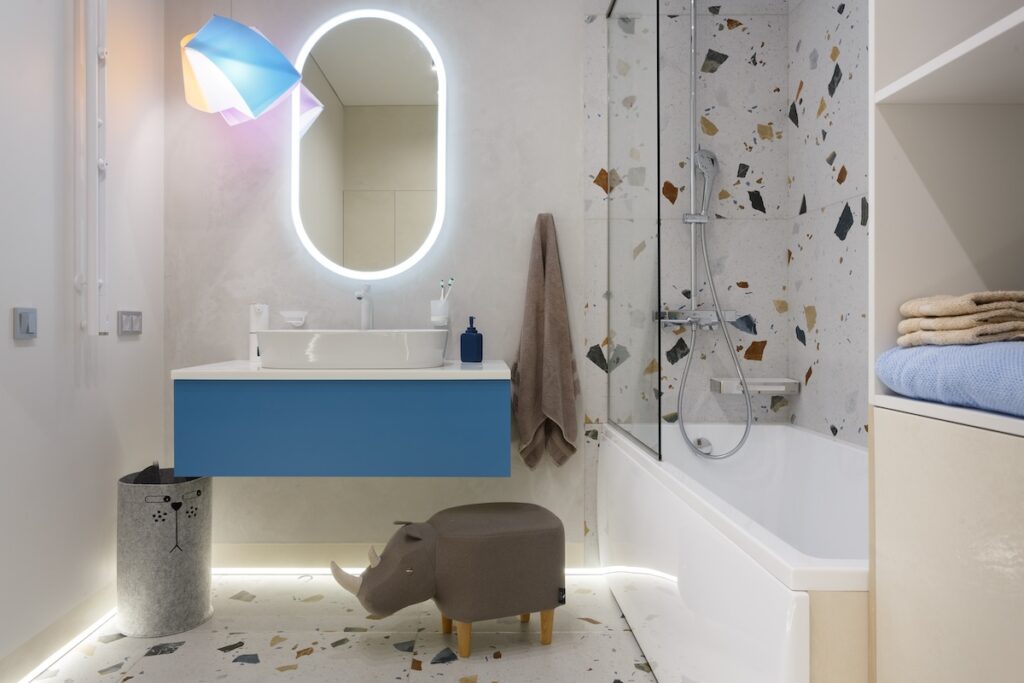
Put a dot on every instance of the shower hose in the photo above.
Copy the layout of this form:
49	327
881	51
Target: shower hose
696	446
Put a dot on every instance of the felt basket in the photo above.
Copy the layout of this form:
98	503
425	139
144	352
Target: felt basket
163	553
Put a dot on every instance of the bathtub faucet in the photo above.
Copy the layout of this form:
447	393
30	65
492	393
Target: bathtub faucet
703	319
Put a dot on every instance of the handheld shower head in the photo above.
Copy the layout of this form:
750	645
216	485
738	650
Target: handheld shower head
706	163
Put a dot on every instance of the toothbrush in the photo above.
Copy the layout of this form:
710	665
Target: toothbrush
442	290
447	292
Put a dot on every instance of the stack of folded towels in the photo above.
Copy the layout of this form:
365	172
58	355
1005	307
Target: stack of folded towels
968	319
960	350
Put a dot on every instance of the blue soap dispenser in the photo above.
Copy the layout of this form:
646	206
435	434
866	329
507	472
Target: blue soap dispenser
472	344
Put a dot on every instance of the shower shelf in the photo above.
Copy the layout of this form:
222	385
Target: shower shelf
776	386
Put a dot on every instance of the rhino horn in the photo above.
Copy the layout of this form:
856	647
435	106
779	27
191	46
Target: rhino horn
345	580
374	557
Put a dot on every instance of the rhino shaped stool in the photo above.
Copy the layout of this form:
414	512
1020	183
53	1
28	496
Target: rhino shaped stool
477	562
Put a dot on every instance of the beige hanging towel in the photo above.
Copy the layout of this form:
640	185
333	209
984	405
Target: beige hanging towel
944	304
544	378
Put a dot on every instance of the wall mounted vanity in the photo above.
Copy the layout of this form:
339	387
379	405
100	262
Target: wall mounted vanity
237	419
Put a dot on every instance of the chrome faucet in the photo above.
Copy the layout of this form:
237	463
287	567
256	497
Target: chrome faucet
365	308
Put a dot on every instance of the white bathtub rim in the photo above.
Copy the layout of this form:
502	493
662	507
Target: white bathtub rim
793	568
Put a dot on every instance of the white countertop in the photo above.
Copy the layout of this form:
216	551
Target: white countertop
243	369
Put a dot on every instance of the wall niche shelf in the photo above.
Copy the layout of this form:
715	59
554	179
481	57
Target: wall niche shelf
945	150
982	419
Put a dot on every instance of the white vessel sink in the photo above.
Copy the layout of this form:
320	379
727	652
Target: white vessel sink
352	349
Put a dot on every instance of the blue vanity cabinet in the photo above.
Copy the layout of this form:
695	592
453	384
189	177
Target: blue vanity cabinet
235	419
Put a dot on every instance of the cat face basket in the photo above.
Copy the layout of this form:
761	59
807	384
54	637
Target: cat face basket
163	553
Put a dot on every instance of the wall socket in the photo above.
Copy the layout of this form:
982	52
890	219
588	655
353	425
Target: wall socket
129	323
24	324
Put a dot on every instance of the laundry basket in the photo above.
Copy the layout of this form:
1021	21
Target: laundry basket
163	552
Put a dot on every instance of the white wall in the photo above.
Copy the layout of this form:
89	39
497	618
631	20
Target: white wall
75	412
514	149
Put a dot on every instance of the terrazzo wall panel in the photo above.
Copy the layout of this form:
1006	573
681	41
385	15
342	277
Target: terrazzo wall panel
741	99
631	346
593	378
828	242
786	252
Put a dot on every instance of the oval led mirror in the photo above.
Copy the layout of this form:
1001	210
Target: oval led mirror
368	171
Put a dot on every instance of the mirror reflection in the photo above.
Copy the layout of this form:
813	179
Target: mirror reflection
368	190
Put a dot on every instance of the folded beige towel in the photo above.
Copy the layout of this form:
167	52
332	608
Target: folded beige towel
996	332
961	305
962	322
544	379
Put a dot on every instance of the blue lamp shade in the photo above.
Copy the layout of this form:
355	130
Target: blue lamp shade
233	70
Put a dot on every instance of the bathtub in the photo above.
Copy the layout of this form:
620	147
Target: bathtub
719	565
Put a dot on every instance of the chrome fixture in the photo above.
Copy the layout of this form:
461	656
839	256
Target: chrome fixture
706	163
365	308
704	319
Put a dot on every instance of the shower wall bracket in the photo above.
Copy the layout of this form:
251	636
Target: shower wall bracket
776	386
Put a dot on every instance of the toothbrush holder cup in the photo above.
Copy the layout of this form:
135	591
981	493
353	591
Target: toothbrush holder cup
439	313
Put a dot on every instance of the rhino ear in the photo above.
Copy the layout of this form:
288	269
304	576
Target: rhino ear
414	532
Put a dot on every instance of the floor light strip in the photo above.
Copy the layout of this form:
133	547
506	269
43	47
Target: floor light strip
313	571
68	647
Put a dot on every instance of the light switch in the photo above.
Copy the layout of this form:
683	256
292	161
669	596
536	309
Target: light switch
129	323
24	323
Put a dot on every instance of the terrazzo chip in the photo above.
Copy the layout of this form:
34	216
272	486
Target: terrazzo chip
163	649
618	356
713	61
837	78
745	323
596	356
845	222
678	351
756	350
444	656
405	646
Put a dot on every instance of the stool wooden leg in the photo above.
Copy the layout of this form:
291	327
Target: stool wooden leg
524	618
547	623
465	634
446	624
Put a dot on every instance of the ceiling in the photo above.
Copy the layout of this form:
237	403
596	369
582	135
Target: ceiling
375	62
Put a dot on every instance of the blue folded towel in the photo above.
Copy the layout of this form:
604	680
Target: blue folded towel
985	376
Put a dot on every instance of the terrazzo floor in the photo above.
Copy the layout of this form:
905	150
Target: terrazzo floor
306	628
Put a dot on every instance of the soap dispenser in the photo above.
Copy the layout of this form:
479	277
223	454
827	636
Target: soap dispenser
472	344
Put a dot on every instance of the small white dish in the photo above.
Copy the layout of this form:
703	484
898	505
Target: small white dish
295	318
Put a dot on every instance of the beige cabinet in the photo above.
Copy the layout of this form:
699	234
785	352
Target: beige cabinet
948	551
